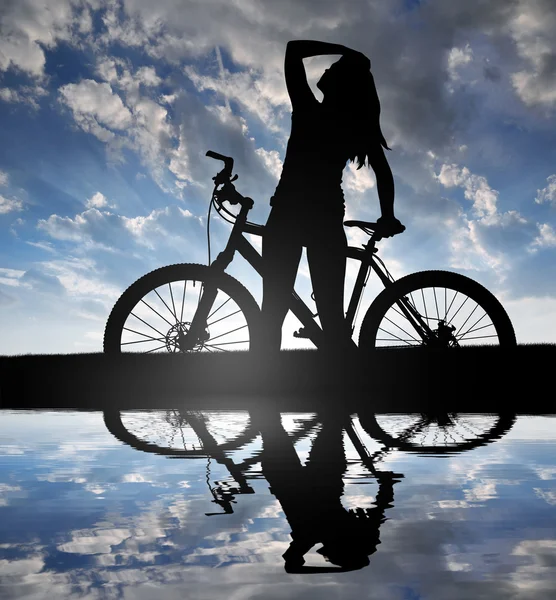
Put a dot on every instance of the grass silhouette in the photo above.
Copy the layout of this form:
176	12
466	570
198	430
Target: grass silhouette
476	379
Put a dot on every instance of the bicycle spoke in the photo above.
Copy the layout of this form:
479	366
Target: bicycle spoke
169	309
143	334
476	329
155	311
183	301
228	332
466	299
469	316
425	305
229	343
399	327
173	304
449	307
472	326
391	340
436	303
143	341
155	349
215	311
393	335
399	312
209	346
147	324
222	318
482	337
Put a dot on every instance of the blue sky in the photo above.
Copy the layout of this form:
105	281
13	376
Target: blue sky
107	108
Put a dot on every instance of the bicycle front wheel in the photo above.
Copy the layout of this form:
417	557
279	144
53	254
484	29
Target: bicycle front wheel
156	312
436	309
436	433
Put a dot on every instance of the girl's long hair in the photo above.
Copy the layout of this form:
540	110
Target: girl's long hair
361	107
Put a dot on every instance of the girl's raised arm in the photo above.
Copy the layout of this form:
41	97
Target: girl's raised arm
296	79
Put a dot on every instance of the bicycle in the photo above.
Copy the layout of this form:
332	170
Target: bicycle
418	310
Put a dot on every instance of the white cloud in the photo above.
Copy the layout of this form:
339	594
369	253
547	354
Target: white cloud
27	28
97	200
179	160
476	188
548	193
457	58
95	106
148	77
358	180
3	178
10	277
8	205
25	94
80	278
259	93
271	160
532	29
545	239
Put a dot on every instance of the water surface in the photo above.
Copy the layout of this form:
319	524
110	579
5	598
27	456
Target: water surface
84	514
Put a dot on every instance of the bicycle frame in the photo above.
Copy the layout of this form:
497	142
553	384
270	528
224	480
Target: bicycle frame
238	243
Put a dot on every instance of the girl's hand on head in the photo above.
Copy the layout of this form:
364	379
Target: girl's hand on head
359	57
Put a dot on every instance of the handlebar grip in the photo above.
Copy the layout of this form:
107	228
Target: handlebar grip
217	156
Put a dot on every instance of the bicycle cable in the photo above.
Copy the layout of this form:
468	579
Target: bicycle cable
208	222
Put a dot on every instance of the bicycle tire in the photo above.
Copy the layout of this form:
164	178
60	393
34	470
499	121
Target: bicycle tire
418	282
163	276
113	422
503	424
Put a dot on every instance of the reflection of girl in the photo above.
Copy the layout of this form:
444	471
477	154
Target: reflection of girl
308	205
310	496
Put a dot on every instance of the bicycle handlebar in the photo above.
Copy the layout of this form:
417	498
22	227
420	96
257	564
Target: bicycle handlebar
226	173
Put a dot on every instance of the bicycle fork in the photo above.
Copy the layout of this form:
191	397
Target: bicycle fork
198	330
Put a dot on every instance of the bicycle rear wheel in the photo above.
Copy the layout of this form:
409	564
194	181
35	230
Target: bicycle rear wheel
456	311
154	314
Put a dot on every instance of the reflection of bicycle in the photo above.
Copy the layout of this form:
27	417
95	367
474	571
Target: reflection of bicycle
194	434
191	308
437	433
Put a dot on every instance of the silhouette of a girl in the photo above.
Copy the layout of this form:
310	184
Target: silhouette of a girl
308	204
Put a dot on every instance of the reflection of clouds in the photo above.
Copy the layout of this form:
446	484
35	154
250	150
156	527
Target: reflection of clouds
179	509
480	492
136	478
99	541
545	472
98	489
548	496
535	578
262	547
63	476
20	568
5	490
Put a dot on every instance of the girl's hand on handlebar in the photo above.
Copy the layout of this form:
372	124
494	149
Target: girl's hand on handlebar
389	226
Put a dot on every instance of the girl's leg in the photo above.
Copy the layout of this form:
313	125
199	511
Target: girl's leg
282	249
326	255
